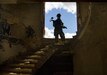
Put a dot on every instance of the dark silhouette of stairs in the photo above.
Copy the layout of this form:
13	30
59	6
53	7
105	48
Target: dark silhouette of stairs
60	63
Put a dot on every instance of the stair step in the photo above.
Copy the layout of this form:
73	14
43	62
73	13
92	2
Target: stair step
34	57
12	73
40	53
31	61
44	49
63	73
23	65
18	70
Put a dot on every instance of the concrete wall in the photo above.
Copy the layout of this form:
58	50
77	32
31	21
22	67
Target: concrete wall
21	15
83	16
90	56
8	1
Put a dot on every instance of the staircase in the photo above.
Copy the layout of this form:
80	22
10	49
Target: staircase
60	63
50	60
29	64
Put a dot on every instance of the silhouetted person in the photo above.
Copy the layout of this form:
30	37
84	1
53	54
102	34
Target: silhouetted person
6	27
30	32
1	26
58	28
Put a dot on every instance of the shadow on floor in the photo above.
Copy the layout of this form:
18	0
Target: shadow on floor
61	63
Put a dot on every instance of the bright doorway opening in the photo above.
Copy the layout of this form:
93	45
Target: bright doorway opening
68	11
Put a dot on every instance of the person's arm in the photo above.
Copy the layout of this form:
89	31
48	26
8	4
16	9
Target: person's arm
63	25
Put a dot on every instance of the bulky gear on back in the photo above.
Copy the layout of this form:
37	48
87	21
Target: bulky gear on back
58	24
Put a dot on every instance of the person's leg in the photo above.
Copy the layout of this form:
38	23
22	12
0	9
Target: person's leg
62	35
8	30
56	36
4	31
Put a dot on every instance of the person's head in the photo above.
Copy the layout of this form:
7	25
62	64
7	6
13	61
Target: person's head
58	15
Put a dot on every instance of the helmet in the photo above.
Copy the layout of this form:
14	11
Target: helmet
58	15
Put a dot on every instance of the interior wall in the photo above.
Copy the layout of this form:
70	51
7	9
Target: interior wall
90	56
83	15
20	16
8	1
